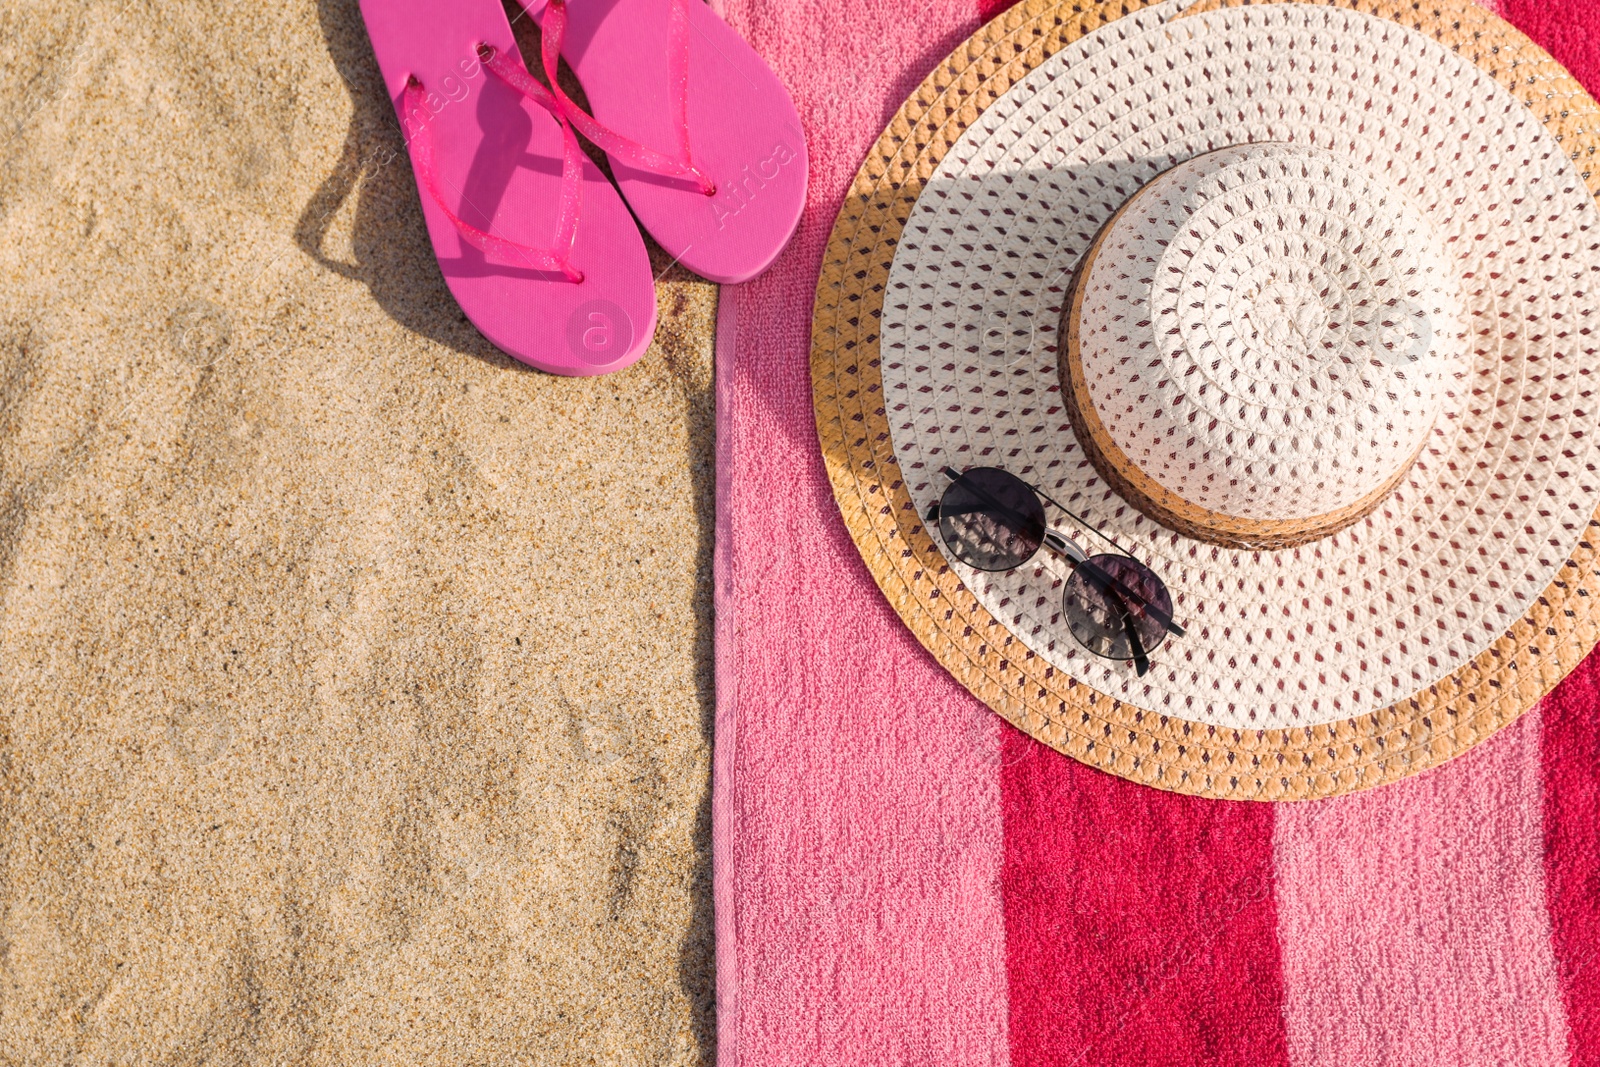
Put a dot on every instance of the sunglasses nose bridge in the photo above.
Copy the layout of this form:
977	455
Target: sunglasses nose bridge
1064	545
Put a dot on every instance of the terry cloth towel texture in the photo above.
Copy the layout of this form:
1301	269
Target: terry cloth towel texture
902	878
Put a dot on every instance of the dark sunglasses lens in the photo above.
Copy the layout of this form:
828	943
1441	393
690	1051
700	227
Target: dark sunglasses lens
1096	620
991	520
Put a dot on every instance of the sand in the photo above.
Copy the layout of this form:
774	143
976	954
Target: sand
354	679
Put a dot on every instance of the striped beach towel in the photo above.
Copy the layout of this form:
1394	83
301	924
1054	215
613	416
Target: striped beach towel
902	878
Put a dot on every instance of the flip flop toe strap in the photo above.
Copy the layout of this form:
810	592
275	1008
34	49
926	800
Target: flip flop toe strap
415	114
554	28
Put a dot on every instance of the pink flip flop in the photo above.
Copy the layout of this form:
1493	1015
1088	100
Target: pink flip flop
534	243
703	138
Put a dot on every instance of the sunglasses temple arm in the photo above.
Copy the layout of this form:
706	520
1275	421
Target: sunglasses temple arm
999	505
1109	586
1116	587
1156	613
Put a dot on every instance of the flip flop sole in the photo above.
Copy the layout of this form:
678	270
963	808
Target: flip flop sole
743	131
498	159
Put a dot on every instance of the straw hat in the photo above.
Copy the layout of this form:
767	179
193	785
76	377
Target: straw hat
1295	301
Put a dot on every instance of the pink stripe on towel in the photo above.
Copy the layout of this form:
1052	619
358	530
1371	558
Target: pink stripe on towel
857	801
1140	925
1413	919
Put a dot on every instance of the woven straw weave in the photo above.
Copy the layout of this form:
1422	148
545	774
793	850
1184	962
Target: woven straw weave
1253	416
1442	719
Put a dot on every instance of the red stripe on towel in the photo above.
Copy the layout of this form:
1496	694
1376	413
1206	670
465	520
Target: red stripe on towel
1567	29
1570	31
1141	926
1571	745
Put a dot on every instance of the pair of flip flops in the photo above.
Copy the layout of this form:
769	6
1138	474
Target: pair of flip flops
535	244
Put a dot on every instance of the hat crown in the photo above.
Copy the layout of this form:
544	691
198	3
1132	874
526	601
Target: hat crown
1265	337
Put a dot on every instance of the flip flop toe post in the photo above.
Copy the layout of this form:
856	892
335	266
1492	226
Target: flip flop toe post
704	139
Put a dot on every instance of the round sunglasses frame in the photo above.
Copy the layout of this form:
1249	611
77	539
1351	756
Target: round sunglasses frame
1115	606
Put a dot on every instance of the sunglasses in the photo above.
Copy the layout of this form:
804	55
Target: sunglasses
1115	606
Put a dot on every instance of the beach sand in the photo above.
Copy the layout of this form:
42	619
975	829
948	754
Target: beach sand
355	680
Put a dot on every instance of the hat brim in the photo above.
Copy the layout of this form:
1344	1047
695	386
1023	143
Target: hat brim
1447	717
